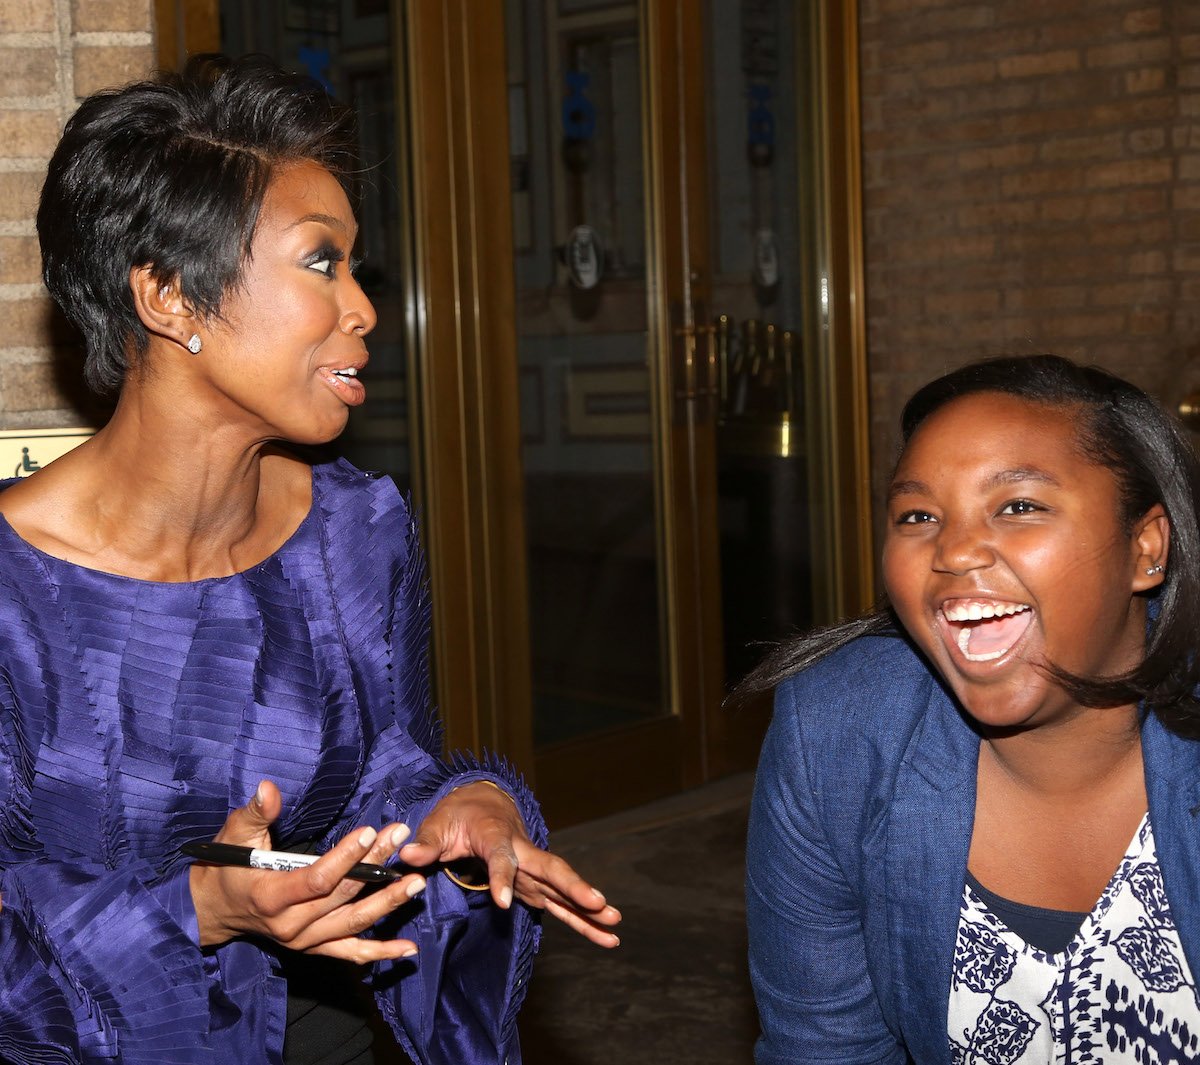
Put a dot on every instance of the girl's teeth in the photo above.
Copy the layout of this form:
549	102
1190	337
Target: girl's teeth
979	611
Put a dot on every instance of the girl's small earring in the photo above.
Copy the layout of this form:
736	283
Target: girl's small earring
1152	570
194	344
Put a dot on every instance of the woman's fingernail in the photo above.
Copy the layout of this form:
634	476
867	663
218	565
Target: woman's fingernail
415	888
410	953
366	837
259	797
506	897
399	834
598	894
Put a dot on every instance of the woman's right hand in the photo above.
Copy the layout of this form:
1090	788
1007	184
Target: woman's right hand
314	909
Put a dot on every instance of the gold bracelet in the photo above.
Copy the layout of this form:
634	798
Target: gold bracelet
463	884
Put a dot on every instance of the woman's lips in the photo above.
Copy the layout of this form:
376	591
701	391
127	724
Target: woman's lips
985	630
344	381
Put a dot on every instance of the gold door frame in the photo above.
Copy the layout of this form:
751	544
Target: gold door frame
469	431
464	370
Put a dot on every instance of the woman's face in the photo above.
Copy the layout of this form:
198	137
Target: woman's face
1005	550
284	357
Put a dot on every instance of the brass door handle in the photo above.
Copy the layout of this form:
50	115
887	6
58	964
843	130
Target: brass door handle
1189	411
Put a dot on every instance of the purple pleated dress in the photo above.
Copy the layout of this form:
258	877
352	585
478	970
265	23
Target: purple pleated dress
134	715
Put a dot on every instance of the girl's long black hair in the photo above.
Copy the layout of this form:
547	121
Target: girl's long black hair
1121	428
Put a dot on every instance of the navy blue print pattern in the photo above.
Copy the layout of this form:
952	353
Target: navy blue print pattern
1120	994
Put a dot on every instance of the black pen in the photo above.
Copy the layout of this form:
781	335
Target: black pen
281	861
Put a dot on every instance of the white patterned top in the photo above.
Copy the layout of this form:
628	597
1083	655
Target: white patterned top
1120	994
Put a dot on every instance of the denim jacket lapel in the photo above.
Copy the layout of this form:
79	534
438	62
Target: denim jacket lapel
928	839
1173	790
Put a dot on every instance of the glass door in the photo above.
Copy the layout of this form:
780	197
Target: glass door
668	275
576	102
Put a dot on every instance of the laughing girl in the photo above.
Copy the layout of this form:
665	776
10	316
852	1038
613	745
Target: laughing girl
976	828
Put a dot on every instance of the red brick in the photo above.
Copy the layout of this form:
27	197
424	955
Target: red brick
1153	231
1000	157
1149	323
1139	109
1045	297
1127	53
997	97
1130	172
1062	209
1186	260
1127	203
996	213
952	304
1148	262
946	77
1145	20
1083	325
1039	64
1142	141
1041	182
1147	79
1041	122
1075	149
1133	293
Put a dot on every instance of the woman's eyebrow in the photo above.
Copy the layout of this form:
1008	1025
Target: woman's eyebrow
324	219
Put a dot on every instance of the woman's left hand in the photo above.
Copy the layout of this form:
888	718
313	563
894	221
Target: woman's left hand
481	821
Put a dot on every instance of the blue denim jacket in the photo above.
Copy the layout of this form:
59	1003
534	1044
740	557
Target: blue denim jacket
859	832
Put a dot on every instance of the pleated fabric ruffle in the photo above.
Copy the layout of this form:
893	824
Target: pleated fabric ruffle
134	715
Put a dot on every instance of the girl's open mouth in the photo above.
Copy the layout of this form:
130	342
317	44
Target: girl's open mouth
986	629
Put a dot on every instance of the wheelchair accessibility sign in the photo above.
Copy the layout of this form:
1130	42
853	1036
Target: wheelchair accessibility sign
25	451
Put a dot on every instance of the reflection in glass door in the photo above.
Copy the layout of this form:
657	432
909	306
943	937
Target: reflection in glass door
588	455
758	285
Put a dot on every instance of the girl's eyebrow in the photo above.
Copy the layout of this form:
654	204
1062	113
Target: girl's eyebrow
905	488
1016	475
1022	473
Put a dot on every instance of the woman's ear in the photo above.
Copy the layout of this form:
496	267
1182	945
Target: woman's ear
1150	546
160	307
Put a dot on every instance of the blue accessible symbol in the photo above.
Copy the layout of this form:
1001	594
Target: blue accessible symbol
27	465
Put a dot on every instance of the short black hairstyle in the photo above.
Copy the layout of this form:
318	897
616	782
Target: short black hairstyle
1119	427
171	173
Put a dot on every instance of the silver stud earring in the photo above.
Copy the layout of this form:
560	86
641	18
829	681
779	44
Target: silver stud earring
1152	570
194	344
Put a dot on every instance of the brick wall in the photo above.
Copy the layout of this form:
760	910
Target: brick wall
51	53
1031	183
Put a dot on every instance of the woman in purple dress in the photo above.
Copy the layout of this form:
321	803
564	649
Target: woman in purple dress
206	636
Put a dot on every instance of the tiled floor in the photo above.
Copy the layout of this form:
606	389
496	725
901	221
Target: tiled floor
676	990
